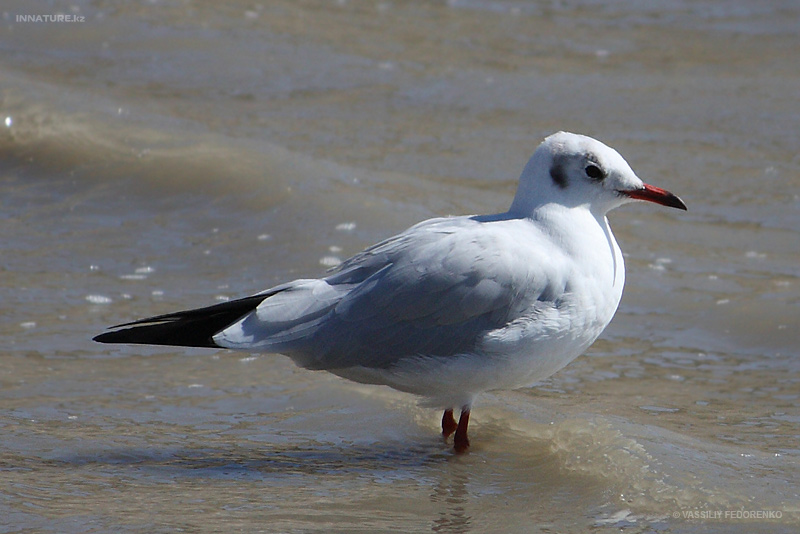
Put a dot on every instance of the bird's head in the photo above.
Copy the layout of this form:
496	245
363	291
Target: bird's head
576	170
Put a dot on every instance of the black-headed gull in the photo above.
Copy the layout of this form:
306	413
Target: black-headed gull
455	306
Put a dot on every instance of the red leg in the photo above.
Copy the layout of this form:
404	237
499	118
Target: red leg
461	441
448	423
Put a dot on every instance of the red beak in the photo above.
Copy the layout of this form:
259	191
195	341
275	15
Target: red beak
657	195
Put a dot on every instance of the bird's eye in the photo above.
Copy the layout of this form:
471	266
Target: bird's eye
594	172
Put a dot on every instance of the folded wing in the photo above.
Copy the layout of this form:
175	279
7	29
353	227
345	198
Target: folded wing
435	290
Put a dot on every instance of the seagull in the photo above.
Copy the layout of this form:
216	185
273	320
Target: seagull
453	306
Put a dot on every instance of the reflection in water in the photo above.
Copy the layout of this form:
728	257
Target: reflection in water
262	462
451	496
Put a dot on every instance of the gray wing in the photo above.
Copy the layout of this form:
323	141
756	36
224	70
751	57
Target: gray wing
433	290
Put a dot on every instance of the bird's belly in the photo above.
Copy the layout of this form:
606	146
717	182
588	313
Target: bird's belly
525	351
455	380
531	364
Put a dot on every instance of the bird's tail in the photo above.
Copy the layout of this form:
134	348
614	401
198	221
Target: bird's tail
190	328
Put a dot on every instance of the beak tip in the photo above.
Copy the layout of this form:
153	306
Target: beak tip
659	196
674	201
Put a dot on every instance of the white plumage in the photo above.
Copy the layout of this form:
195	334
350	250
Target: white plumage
451	307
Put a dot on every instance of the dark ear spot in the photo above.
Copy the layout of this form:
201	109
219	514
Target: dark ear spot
559	174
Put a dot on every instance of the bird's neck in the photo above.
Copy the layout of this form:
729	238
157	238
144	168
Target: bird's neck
585	236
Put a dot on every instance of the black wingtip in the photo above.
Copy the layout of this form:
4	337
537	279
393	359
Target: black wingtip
178	334
103	338
156	335
190	328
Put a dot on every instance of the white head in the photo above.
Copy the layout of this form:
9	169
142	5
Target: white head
575	170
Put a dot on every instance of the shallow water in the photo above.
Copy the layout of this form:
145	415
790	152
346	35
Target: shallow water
164	155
